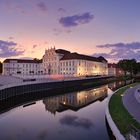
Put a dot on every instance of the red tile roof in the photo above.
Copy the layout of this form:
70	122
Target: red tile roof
61	51
112	65
23	61
70	56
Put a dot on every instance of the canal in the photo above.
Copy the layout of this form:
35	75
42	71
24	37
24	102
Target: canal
72	116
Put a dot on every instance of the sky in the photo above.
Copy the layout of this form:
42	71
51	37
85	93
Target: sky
110	28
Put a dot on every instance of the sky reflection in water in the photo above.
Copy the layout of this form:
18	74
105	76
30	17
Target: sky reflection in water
76	116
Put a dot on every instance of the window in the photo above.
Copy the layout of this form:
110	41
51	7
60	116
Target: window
79	63
73	63
18	72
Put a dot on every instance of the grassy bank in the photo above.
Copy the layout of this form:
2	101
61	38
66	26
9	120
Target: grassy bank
119	114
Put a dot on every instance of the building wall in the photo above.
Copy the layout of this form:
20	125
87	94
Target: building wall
82	67
68	67
52	64
51	61
13	67
115	71
112	71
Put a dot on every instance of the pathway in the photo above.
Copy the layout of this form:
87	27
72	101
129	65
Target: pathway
131	103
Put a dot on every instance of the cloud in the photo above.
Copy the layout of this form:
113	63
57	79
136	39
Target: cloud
9	48
133	45
61	10
35	46
10	38
58	31
42	6
121	51
14	6
75	20
76	122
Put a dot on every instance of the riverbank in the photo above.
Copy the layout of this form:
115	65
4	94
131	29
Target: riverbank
54	87
17	95
119	114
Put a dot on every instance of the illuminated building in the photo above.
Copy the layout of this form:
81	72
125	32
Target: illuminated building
57	62
73	64
114	70
21	66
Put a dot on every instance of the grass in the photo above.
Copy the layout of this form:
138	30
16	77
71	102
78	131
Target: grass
119	114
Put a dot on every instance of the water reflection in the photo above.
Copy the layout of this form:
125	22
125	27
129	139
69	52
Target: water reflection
76	100
76	122
72	116
115	85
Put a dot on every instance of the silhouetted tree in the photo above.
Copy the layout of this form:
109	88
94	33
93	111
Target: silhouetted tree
128	66
0	67
137	68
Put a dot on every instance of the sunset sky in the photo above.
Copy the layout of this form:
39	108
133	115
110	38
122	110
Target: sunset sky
110	28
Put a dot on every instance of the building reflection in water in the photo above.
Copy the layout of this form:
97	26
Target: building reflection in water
115	85
75	100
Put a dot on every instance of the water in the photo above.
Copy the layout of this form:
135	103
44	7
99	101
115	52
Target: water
71	116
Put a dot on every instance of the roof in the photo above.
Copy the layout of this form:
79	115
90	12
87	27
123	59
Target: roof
102	58
23	61
61	51
70	56
113	65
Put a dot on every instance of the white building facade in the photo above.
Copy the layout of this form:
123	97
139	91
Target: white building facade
63	62
51	60
23	67
57	62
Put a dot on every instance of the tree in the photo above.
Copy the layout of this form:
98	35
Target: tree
138	68
0	67
138	65
128	66
123	64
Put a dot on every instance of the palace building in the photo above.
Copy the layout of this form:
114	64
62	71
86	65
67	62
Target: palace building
66	63
57	62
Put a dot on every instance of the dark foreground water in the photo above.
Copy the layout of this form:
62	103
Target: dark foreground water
71	116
